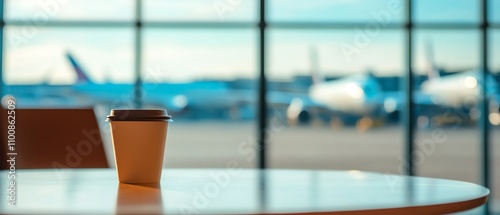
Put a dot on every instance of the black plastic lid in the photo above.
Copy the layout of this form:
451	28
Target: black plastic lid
139	115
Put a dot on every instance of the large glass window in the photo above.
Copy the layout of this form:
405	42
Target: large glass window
335	76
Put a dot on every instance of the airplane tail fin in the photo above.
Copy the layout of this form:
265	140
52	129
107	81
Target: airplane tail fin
80	74
432	70
316	76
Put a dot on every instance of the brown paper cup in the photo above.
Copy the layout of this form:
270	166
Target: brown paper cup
139	145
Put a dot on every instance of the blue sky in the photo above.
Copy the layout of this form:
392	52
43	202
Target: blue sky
183	54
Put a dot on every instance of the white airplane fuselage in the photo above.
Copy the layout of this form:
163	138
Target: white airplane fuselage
456	90
349	95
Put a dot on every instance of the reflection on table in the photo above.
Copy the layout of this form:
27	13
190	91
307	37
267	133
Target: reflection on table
239	191
137	199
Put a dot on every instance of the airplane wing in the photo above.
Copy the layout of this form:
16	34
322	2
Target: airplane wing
399	98
389	100
278	99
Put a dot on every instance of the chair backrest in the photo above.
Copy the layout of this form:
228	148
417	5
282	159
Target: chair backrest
53	138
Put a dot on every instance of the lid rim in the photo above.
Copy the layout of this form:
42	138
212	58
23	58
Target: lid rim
138	115
139	120
116	116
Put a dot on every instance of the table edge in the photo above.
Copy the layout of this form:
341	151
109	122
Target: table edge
446	208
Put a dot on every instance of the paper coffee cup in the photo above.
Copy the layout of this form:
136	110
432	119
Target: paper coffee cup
139	138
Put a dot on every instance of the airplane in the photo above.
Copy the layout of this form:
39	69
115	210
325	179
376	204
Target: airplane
196	99
40	95
359	97
192	100
353	98
456	90
356	95
461	91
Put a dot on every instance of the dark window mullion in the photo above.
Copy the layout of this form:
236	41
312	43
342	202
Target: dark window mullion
485	139
262	100
409	113
137	100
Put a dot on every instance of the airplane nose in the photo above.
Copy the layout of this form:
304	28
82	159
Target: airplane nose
355	91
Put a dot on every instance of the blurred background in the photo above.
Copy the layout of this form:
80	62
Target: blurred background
336	78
